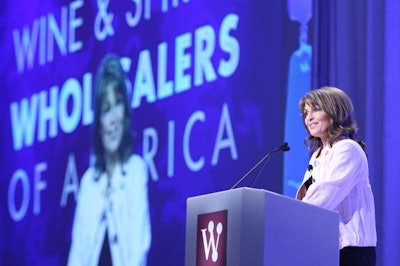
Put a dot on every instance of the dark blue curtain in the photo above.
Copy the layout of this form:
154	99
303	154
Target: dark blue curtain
356	48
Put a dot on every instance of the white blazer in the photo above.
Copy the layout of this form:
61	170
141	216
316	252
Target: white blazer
342	184
123	212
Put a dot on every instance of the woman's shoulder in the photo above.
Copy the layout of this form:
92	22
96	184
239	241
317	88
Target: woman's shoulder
89	185
135	168
135	160
349	145
135	165
88	176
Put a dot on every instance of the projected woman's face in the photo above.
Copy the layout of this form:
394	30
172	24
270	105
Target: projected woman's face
112	120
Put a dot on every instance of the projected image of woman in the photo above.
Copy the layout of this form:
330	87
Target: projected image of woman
337	177
112	224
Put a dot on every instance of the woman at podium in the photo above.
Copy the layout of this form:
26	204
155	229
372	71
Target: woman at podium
337	176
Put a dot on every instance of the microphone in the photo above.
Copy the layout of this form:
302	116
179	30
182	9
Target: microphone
310	180
284	147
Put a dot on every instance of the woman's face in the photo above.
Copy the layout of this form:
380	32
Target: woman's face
111	120
317	121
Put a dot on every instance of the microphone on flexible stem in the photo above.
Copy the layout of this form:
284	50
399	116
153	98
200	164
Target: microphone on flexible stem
310	180
284	147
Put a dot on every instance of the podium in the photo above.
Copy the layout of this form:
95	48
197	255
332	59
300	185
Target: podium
251	227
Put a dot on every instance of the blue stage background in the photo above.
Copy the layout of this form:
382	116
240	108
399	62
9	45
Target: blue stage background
213	87
207	82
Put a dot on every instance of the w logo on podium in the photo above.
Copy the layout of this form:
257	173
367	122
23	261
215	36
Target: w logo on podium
211	239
